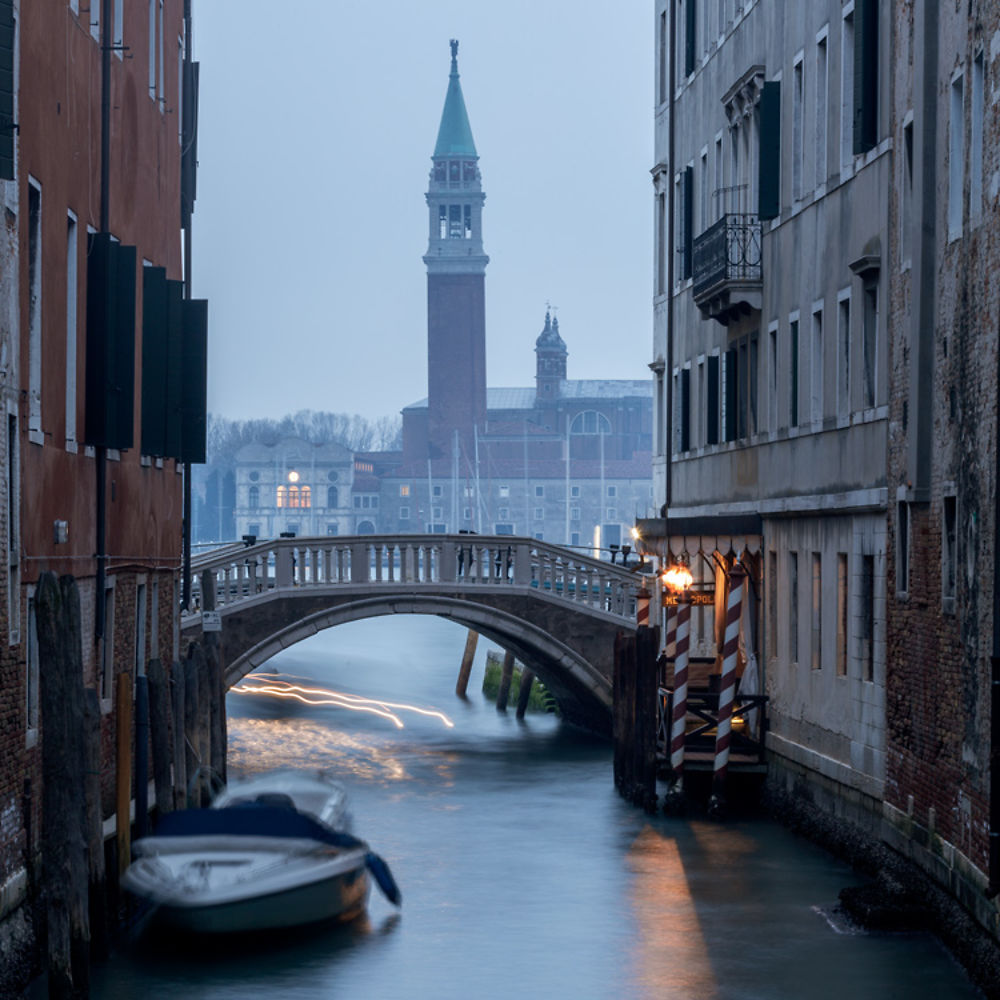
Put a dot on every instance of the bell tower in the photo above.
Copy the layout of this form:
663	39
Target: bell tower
456	283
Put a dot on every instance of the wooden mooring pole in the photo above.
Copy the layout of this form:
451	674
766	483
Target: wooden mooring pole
96	890
159	729
467	657
506	676
634	716
123	770
216	681
524	694
178	744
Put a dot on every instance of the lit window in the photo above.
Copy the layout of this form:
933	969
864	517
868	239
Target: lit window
282	496
404	491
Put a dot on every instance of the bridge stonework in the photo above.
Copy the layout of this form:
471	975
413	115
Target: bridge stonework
556	610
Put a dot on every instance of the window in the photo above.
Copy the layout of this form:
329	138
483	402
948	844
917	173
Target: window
906	200
821	99
847	88
436	491
94	17
283	496
793	607
612	491
684	410
118	27
588	422
32	690
34	311
712	400
720	181
331	497
661	243
817	611
180	90
612	514
772	604
841	614
404	513
956	158
574	492
703	192
151	81
574	513
902	548
466	513
504	513
404	491
253	529
253	496
793	372
574	538
539	513
869	342
976	141
949	551
357	501
161	89
844	352
798	127
685	223
504	492
772	378
333	529
539	491
661	59
865	67
72	258
867	618
437	513
816	367
769	152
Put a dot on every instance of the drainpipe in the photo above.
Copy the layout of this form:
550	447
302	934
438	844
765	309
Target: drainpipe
994	788
668	373
101	452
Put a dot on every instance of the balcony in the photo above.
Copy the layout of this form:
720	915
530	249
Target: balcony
726	268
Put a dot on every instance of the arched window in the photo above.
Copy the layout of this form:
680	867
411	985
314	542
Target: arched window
293	496
590	422
282	496
331	496
306	496
253	496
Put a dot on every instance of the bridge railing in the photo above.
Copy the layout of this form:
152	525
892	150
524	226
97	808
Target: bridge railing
464	561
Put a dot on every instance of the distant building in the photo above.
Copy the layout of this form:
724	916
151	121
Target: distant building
567	461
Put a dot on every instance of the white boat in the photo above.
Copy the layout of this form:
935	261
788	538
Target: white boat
271	852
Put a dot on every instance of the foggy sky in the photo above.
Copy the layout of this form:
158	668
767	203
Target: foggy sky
317	122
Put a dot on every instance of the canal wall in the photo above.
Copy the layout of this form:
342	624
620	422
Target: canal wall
918	879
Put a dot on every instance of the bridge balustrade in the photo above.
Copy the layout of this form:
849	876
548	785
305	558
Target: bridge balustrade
415	561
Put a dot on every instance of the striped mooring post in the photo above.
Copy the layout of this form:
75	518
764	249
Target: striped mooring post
727	689
670	643
642	606
678	717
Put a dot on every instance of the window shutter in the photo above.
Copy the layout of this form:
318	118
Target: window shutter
194	385
110	356
732	382
685	409
689	37
173	372
7	89
153	426
712	424
769	179
865	75
189	145
688	245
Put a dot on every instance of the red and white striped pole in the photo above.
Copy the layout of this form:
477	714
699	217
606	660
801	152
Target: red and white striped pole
727	684
642	606
678	720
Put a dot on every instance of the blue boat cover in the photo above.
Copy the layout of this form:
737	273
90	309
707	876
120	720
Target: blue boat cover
251	821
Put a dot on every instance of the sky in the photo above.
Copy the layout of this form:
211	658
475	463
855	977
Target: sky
317	122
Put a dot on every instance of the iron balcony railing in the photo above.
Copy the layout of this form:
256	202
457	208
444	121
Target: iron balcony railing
728	251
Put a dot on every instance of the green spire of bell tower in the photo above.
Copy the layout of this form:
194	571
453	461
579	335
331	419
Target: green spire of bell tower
454	135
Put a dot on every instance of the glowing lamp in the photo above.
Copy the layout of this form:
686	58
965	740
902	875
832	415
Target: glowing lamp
677	576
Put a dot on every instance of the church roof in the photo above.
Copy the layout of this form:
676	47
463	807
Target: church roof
455	133
549	339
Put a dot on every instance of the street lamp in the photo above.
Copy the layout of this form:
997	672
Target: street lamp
677	577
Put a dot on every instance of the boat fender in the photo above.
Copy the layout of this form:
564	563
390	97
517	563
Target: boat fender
380	871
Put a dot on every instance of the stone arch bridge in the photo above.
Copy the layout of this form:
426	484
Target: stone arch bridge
557	610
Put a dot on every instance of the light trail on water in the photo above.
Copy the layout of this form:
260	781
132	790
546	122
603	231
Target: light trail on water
274	686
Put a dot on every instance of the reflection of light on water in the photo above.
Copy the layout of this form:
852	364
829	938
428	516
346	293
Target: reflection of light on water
670	943
257	745
272	685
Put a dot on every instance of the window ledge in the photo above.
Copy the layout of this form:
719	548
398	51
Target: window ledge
30	738
36	436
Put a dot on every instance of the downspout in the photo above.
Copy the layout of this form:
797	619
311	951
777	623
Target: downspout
186	515
670	250
101	452
994	787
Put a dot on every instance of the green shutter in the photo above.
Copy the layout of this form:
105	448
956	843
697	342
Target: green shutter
732	381
712	424
865	75
769	180
189	146
689	37
687	253
174	370
7	89
110	351
195	383
685	409
154	361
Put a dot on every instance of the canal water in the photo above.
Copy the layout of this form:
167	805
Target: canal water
523	874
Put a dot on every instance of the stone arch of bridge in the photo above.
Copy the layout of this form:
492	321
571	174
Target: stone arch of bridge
581	690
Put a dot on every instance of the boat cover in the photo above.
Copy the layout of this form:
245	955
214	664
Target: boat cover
251	821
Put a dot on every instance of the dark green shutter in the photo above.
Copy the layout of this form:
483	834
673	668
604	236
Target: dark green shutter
189	146
712	424
7	89
732	381
685	409
769	180
689	37
865	75
793	392
110	353
687	252
195	382
174	369
154	362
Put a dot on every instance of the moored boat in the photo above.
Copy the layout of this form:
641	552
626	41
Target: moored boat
269	853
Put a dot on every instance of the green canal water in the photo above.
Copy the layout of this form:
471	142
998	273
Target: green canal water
523	874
